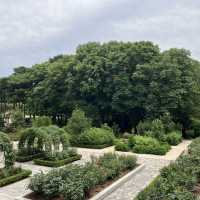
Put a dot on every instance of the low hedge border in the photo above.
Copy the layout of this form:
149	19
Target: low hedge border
57	163
96	146
17	177
28	158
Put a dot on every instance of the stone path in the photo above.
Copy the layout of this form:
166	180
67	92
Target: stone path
128	190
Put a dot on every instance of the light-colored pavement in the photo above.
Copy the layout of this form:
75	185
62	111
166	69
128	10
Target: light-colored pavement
128	190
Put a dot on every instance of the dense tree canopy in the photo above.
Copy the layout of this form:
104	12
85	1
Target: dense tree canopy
115	82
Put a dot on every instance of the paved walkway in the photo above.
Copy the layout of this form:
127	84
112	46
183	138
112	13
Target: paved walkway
127	192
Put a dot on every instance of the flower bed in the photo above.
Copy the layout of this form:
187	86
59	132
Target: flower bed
8	176
77	182
178	180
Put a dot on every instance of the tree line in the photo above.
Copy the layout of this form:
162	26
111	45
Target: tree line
119	83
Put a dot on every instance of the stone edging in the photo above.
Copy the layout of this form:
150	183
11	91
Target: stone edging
107	191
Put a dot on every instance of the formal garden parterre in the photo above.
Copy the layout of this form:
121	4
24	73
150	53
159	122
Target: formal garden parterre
128	95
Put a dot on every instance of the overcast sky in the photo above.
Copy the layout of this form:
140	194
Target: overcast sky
31	31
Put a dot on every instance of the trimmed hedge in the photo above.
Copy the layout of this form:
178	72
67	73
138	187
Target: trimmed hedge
56	163
96	136
177	180
97	146
148	145
27	158
174	138
14	178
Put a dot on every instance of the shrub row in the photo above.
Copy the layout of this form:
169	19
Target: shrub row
74	182
176	181
90	146
143	144
14	178
26	158
56	163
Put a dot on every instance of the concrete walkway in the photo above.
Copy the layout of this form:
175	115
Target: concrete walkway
128	190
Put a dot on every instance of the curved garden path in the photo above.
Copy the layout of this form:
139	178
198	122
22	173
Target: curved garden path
127	191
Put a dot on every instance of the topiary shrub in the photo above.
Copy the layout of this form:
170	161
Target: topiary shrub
78	123
97	136
148	145
174	138
42	121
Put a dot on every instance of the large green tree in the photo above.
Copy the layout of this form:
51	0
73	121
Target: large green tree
114	82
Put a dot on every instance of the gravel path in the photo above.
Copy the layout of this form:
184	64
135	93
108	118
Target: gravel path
128	190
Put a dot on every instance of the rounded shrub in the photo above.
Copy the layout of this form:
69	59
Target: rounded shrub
42	121
121	145
148	145
174	138
97	136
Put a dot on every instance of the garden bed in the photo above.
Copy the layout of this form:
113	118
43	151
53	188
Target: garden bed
101	190
83	181
180	179
15	175
57	163
26	158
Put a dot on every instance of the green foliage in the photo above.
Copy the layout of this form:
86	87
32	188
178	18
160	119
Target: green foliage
6	147
195	126
97	136
1	122
42	121
118	82
8	176
121	145
148	145
78	122
174	138
158	130
17	119
176	181
56	162
74	182
168	123
40	140
143	127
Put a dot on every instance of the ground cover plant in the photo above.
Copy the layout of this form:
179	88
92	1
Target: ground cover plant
9	173
177	181
75	182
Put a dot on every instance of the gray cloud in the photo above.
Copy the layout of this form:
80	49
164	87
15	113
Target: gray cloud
32	31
